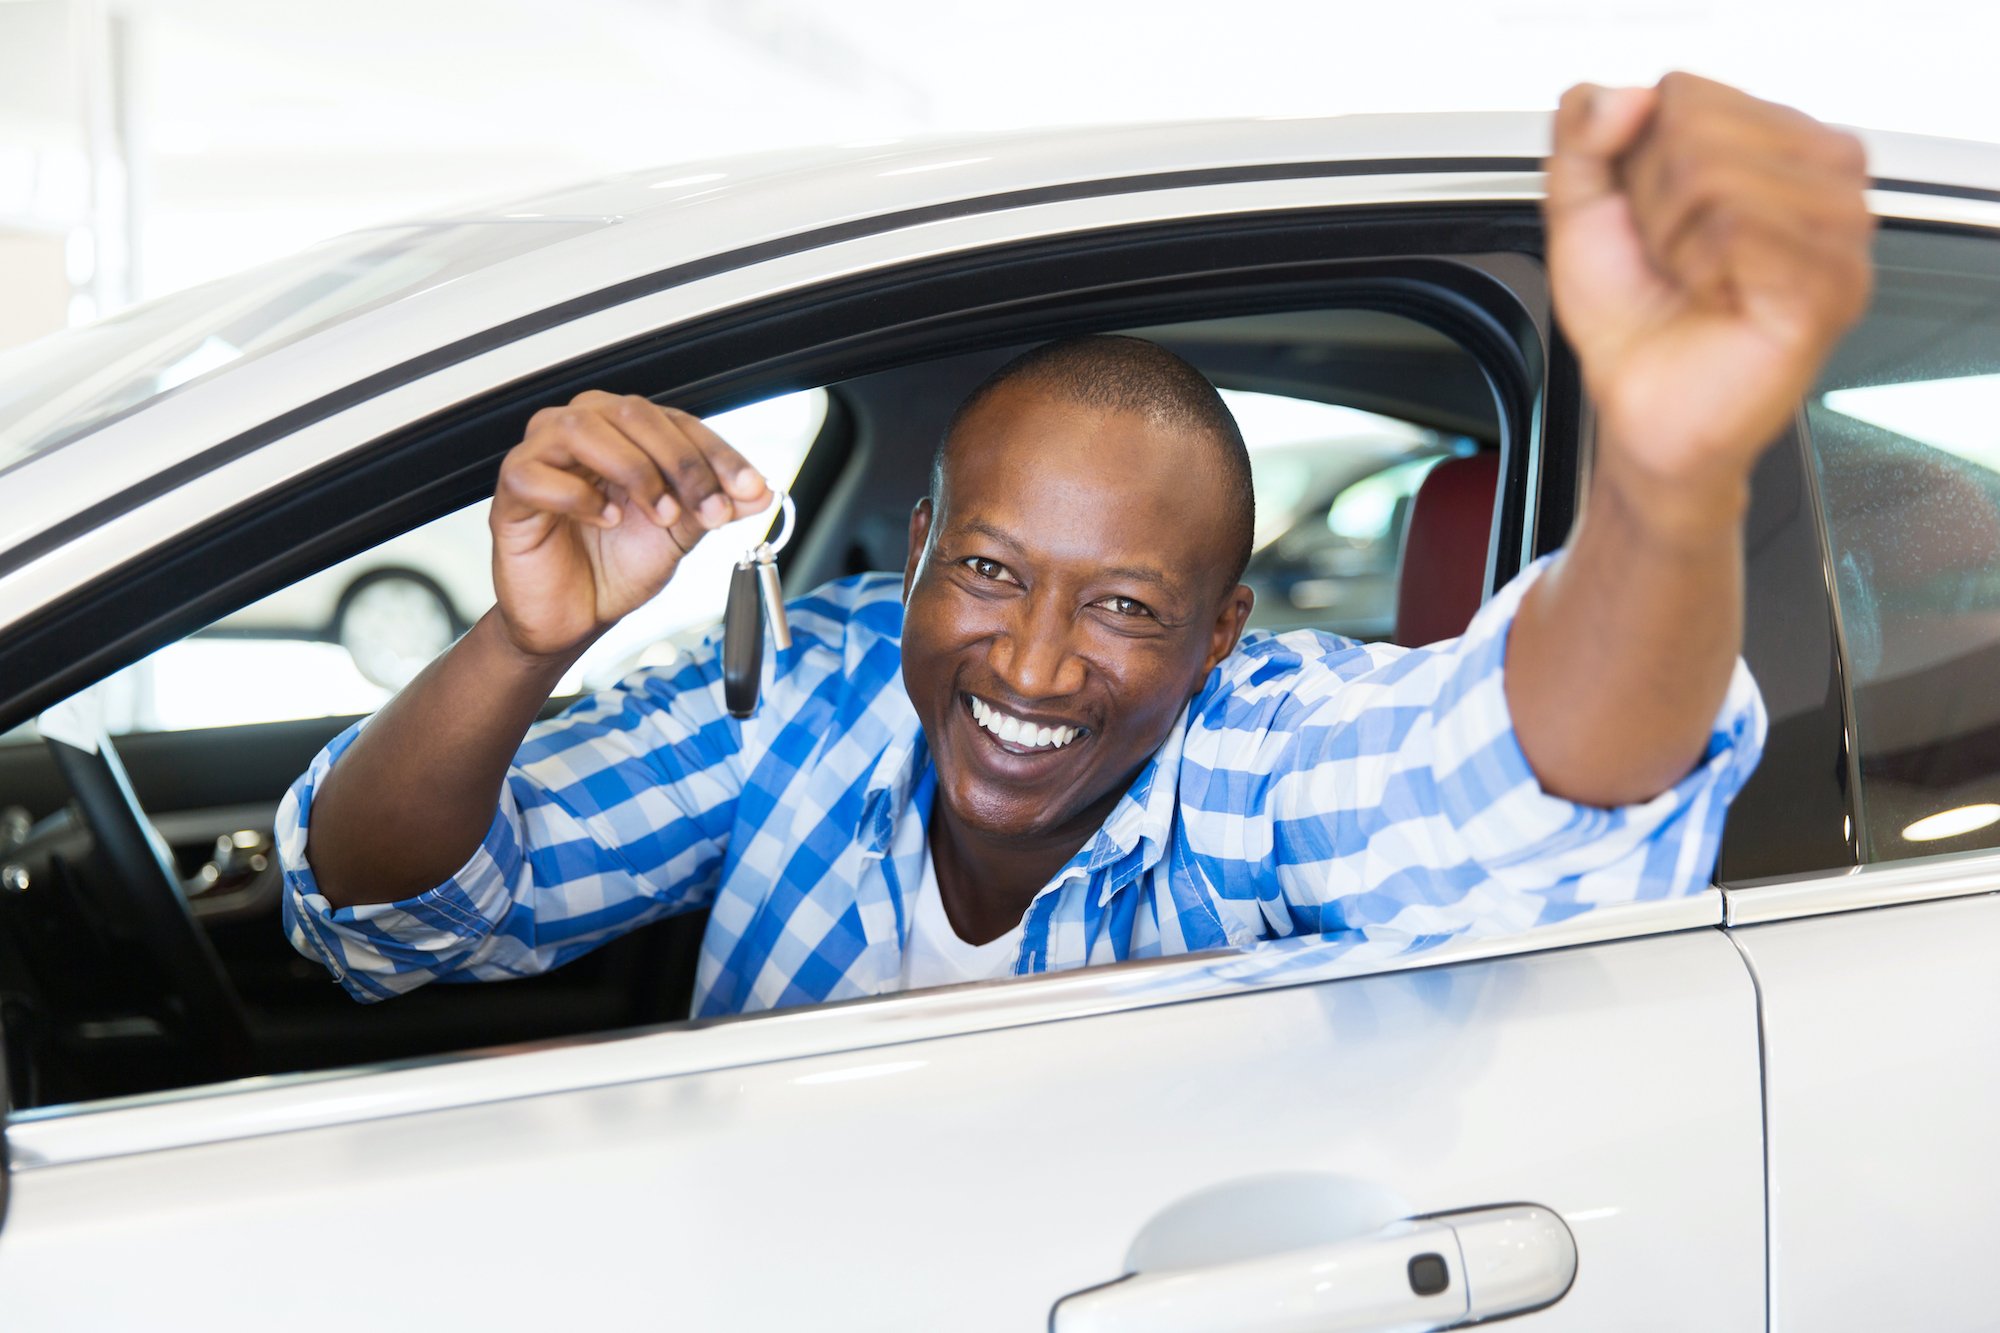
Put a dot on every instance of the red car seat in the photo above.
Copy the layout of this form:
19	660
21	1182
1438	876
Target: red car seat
1442	572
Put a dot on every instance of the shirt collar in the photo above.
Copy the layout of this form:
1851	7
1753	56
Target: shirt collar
892	781
1135	834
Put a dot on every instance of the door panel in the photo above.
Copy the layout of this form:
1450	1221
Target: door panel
1884	1114
970	1182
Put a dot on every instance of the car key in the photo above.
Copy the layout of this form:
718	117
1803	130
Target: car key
754	581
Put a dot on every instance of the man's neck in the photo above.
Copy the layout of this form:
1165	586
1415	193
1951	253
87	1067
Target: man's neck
987	882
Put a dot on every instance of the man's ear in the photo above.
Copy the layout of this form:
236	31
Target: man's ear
1230	617
920	533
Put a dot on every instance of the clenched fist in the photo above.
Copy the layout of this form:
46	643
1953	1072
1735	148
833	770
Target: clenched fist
1706	252
596	507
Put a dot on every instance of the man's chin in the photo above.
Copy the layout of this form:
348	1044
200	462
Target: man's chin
1004	815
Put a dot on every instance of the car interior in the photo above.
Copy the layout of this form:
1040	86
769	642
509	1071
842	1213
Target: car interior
1376	521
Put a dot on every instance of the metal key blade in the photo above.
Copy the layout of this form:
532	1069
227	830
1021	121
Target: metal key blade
774	602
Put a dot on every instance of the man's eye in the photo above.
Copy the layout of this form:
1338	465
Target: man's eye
1126	606
984	568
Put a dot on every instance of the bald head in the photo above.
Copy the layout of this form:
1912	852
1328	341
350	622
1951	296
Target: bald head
1115	373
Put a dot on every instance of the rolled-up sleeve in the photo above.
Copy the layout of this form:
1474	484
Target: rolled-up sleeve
612	814
1405	810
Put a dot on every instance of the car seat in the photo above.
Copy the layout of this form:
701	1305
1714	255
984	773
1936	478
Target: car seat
1441	576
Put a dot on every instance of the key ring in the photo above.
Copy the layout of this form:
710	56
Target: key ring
789	514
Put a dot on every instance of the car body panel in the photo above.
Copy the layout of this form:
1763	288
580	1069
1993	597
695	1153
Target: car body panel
939	1184
67	1135
1882	1095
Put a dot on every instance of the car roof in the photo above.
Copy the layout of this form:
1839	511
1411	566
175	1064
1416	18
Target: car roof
602	235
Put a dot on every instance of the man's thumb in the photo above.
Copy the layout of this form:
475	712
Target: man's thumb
1593	128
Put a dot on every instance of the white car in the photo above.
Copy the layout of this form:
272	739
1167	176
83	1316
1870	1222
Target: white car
1769	1106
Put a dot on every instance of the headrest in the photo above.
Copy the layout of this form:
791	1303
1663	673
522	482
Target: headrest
1442	573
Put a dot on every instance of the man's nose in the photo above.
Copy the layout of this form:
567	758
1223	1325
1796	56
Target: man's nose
1033	656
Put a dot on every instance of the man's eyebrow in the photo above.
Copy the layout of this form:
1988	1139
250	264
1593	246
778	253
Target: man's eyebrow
1000	535
1137	573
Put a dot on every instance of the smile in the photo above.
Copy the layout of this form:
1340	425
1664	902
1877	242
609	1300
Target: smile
1019	732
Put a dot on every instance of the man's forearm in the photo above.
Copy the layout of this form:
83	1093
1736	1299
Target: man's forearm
1620	656
411	799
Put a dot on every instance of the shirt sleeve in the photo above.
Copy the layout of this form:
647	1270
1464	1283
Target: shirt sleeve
614	813
1405	812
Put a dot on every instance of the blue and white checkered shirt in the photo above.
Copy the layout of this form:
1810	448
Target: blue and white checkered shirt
1371	794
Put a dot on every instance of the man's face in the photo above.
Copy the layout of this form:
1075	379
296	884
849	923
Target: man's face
1076	583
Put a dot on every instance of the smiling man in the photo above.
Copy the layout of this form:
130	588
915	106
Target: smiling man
1049	743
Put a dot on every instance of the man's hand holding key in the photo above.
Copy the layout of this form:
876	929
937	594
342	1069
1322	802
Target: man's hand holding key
595	508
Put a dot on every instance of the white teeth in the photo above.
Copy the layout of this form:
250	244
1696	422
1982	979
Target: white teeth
1016	732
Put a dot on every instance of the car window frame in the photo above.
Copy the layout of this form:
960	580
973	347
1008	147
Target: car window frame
1440	264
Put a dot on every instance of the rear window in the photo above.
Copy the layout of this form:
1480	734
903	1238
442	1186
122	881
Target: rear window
1905	428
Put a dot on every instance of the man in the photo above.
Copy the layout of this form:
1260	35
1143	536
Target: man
1045	745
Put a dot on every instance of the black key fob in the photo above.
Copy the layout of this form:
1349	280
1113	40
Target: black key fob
754	592
742	641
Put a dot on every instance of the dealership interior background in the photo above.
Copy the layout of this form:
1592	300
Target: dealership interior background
147	145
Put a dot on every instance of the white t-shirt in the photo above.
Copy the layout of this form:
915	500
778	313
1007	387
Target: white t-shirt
936	956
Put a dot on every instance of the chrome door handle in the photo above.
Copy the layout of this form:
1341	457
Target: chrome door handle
1420	1274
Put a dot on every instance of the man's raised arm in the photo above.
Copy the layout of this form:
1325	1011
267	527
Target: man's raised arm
593	512
1706	252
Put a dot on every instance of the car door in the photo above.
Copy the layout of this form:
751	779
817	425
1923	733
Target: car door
1876	971
1564	1126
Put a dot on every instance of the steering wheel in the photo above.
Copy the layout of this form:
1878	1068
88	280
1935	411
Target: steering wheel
146	893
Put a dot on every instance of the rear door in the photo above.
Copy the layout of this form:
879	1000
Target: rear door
1878	977
1566	1125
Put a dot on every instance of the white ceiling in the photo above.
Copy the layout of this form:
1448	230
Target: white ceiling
266	123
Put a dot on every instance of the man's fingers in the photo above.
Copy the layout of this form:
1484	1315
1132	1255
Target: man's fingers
541	487
744	483
1593	127
1681	232
669	462
1695	127
1714	161
691	475
585	438
1809	286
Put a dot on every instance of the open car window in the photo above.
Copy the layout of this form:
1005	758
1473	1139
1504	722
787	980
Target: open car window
1334	486
215	727
345	639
